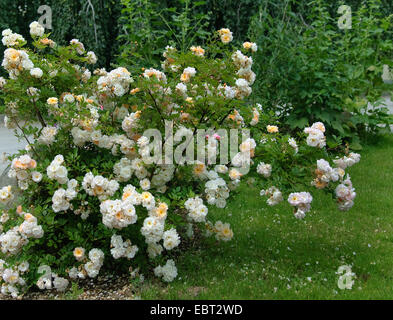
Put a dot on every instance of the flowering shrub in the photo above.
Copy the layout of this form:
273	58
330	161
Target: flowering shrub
94	197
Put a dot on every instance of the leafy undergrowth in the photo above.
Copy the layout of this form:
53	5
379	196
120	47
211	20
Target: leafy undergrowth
275	256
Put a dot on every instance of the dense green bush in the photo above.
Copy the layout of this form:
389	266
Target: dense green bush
150	26
314	71
75	18
95	22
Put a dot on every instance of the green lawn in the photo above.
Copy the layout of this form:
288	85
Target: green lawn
275	256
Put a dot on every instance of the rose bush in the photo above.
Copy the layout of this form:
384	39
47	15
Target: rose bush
96	193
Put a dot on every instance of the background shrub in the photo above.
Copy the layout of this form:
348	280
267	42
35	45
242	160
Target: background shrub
310	70
148	27
94	22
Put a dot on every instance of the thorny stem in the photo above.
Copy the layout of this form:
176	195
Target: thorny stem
193	134
24	135
113	114
228	113
204	112
157	107
40	118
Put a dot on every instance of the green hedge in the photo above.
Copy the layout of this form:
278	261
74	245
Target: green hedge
70	19
74	18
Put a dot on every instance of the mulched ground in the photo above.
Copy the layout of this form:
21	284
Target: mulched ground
103	288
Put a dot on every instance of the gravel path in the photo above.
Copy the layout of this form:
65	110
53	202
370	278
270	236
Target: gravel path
101	288
8	143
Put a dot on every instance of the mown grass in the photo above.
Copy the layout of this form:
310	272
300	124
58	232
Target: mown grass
275	256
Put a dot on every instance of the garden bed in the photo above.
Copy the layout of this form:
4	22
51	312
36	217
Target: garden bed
274	258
